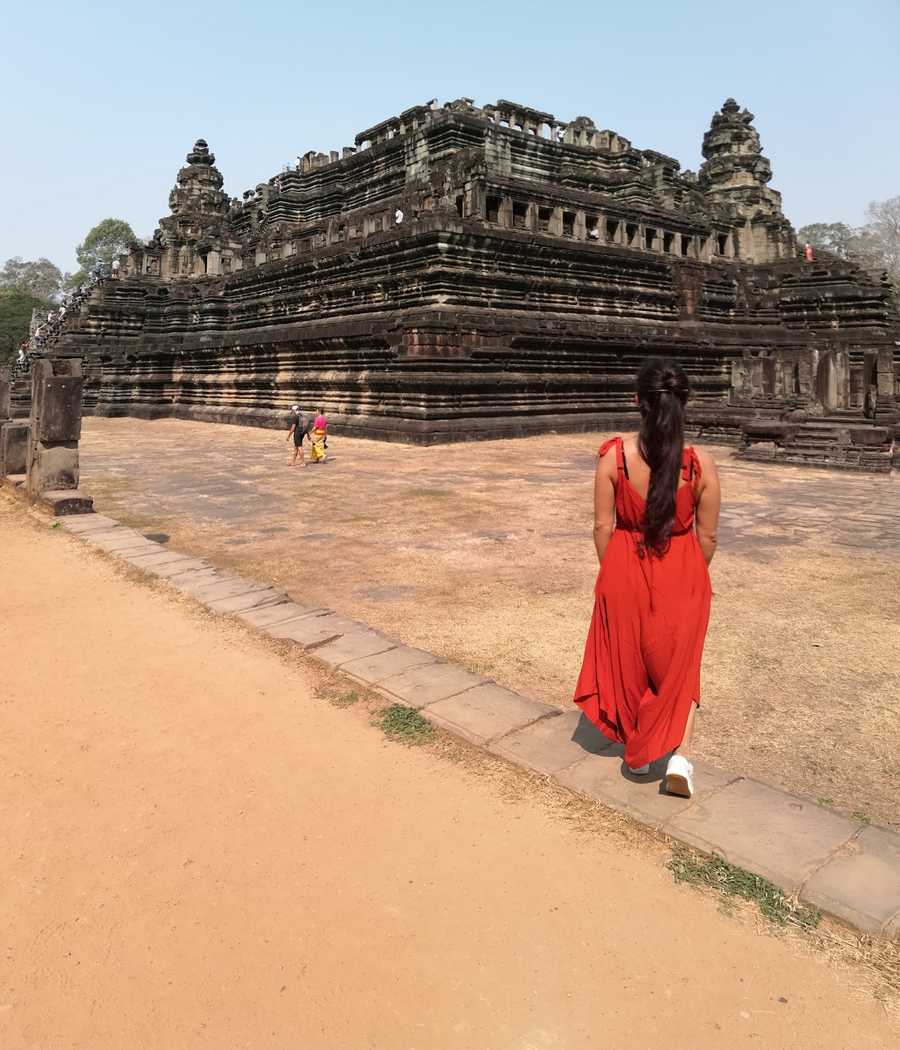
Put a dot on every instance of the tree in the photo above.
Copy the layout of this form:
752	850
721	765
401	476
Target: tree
876	245
882	235
38	278
834	237
16	307
105	242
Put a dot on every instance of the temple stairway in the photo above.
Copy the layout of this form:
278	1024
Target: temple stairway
842	442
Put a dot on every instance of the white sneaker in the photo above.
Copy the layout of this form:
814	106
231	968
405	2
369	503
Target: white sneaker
638	771
679	777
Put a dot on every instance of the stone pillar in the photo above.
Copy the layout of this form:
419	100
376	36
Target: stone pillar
556	222
886	405
52	466
505	216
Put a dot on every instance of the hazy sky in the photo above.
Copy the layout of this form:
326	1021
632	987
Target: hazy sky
101	101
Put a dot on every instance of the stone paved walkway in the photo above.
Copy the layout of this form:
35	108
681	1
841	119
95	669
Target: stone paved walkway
843	866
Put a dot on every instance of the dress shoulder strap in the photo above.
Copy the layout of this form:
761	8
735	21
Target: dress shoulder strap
620	452
690	465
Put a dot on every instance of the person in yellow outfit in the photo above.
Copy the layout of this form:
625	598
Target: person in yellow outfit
319	435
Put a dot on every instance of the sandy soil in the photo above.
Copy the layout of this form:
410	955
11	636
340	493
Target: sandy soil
198	852
482	553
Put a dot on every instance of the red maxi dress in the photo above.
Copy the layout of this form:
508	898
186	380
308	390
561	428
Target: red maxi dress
641	667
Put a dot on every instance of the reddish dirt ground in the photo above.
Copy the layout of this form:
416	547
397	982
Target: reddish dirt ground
200	852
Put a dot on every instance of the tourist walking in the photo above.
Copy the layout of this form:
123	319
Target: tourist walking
656	509
298	431
319	438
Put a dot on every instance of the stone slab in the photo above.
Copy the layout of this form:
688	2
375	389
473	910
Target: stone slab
553	743
486	712
132	554
251	600
308	631
154	559
90	523
419	686
192	582
270	615
861	882
374	669
118	539
765	830
215	590
66	502
188	581
354	645
15	483
606	779
168	569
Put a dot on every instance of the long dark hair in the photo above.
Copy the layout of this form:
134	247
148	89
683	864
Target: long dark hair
662	389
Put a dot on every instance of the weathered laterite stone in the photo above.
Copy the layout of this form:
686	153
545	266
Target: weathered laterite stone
465	272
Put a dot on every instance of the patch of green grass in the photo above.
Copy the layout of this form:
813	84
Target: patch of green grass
825	801
862	817
731	881
337	696
404	724
427	493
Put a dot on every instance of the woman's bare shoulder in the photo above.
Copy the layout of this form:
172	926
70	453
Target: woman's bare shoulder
706	458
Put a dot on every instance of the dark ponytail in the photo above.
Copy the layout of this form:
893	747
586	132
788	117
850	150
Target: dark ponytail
662	389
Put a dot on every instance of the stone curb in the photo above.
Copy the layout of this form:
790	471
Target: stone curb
824	859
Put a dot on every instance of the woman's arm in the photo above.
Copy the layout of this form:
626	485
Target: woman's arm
604	502
708	503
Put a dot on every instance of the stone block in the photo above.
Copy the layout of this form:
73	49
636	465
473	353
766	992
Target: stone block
160	558
66	502
553	743
765	830
118	539
308	631
419	686
14	439
374	669
242	602
354	644
5	386
53	467
270	615
96	522
606	779
226	587
189	580
175	568
60	409
486	712
861	882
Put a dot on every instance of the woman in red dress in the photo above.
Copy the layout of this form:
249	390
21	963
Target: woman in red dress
656	509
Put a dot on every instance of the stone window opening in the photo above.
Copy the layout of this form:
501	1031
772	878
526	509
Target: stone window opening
631	232
612	230
568	224
460	206
492	208
544	217
649	238
721	243
685	245
668	240
591	227
796	378
520	215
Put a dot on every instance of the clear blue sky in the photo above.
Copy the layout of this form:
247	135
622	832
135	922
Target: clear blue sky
101	100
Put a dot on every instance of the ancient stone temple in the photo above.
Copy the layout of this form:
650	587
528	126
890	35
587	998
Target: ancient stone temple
469	272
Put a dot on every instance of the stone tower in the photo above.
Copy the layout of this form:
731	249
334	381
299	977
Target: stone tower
195	232
734	178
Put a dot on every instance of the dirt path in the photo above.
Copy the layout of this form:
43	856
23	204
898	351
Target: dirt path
197	852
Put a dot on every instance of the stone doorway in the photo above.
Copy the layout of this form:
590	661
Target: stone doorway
832	381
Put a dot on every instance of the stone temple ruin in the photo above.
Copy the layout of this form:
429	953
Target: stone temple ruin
465	272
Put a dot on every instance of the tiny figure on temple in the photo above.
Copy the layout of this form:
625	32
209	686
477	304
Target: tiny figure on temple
299	428
808	252
398	216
